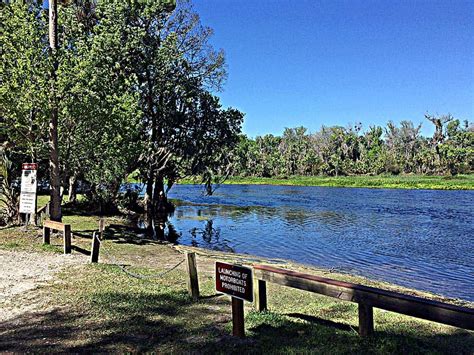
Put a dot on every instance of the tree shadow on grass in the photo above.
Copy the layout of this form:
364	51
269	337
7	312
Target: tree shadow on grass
122	234
169	322
277	332
323	322
117	322
84	234
86	208
80	250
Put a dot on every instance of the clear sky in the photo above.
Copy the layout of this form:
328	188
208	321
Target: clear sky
333	62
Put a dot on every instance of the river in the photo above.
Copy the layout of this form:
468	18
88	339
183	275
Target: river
423	239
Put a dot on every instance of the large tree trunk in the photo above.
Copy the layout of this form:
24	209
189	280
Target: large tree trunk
158	190
55	204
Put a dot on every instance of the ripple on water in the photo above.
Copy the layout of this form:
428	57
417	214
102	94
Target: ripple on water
415	238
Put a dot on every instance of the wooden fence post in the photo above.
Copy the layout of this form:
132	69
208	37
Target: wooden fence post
46	235
67	239
260	295
193	284
238	326
366	320
95	248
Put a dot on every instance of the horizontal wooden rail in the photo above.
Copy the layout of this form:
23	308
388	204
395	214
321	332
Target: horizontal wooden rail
54	225
42	209
366	297
65	228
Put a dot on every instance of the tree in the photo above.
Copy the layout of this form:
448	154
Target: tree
337	150
457	151
54	181
271	162
54	101
23	99
293	147
402	144
439	134
172	67
9	195
100	133
211	134
373	152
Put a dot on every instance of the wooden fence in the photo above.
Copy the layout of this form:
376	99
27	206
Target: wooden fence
65	228
67	236
366	297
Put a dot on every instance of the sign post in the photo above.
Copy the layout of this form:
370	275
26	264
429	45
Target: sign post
235	281
28	189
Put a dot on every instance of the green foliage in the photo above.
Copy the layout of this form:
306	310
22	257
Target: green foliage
336	151
9	194
23	69
135	83
458	149
132	82
99	110
459	182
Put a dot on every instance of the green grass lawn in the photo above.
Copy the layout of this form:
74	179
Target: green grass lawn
460	182
99	308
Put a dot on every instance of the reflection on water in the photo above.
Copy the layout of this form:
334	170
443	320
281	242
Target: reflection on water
159	228
416	238
209	237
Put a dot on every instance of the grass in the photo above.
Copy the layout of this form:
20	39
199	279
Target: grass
42	200
460	182
91	308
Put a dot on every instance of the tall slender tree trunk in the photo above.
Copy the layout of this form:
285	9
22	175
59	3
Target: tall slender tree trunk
55	203
149	210
72	192
149	198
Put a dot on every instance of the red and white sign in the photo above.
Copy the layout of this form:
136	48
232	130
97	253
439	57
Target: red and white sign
234	280
28	188
29	166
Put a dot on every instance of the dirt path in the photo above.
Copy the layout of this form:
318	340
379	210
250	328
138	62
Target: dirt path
23	272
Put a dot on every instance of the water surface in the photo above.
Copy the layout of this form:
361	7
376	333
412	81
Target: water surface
415	238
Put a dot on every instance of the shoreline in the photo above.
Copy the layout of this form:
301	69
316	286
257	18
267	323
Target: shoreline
405	182
252	260
86	307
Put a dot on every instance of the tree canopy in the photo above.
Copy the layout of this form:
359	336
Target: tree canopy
135	86
335	151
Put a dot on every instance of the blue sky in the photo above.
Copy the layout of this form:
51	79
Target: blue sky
333	62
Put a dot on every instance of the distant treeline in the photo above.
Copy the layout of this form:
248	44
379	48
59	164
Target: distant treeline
336	150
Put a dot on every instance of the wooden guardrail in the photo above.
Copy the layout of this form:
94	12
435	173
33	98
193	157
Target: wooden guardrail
366	297
41	214
65	228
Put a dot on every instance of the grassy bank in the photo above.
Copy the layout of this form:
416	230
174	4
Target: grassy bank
100	308
461	182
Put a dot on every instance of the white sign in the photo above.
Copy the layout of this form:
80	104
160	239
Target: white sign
28	188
